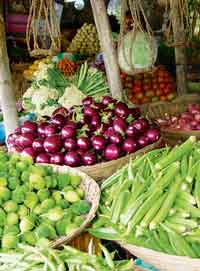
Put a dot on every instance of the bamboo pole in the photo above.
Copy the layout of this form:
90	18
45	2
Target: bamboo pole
180	57
107	45
7	98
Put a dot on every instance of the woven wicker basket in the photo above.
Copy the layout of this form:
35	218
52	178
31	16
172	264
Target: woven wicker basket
162	110
92	194
162	261
102	171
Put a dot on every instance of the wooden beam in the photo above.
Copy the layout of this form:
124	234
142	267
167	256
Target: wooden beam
7	97
180	57
107	46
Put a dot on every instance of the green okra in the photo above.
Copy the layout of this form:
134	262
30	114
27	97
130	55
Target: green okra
152	211
165	240
180	229
168	203
192	172
183	195
176	154
119	206
184	166
197	192
187	207
107	233
188	223
164	247
138	216
179	243
196	249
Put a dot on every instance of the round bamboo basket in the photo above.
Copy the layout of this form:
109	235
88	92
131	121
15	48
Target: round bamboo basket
162	261
92	195
102	171
162	110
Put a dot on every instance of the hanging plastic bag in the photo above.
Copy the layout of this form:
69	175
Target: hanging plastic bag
114	7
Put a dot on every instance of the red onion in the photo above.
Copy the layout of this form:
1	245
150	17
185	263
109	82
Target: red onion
107	100
50	130
95	122
25	140
57	158
98	142
68	132
14	149
11	139
87	101
83	143
121	110
119	125
115	138
70	144
38	145
129	145
41	129
29	127
99	106
30	152
111	152
72	159
71	124
131	131
58	120
153	135
135	112
17	130
43	158
89	158
143	141
197	117
61	111
89	111
108	132
52	144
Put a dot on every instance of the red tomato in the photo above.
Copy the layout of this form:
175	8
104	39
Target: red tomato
162	85
137	89
158	92
155	86
163	98
137	83
147	86
160	79
139	95
123	75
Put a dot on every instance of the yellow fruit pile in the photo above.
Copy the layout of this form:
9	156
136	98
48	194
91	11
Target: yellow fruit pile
28	73
85	41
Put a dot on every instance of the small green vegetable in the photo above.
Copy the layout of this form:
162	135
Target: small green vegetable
12	219
43	194
71	196
31	200
9	241
81	207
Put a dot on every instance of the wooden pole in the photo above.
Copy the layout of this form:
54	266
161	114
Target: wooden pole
179	38
7	98
107	45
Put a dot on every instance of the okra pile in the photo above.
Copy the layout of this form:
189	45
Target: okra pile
154	202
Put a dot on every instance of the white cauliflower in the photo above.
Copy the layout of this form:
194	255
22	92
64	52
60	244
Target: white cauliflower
47	110
29	92
72	96
41	72
43	94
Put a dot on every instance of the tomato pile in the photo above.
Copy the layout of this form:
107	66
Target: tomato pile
156	86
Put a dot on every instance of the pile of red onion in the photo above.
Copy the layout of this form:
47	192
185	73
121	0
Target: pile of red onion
186	121
85	135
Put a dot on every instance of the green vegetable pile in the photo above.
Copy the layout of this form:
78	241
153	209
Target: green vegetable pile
47	259
37	203
154	202
91	81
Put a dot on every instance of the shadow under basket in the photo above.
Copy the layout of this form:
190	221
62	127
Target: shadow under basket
162	261
92	195
163	110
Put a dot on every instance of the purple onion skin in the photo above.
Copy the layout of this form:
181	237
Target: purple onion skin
87	101
25	140
107	100
57	159
30	152
143	141
98	142
129	145
72	159
43	158
121	110
70	144
52	144
111	152
58	120
83	143
29	127
119	125
153	135
38	145
115	138
68	132
50	130
89	158
41	129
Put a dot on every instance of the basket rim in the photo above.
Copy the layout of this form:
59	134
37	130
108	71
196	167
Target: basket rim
128	247
94	203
